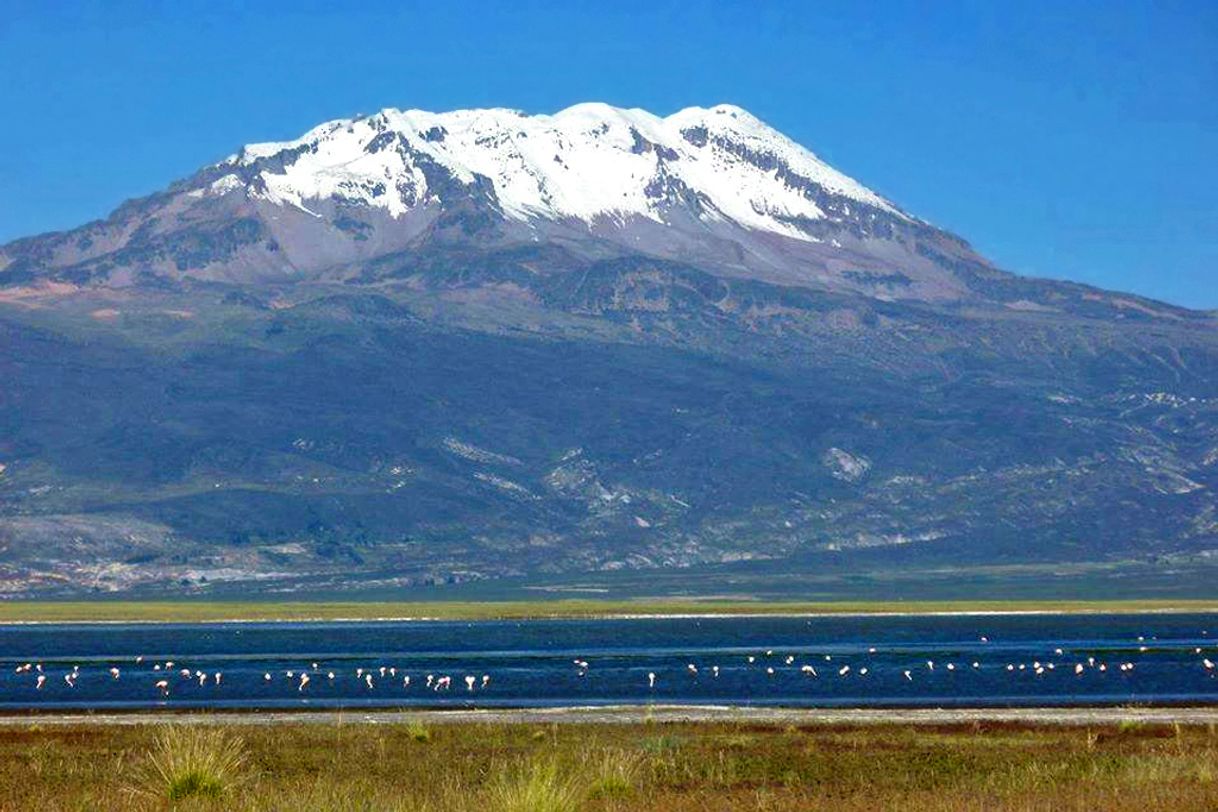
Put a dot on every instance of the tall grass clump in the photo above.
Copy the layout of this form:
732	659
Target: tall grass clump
615	775
192	762
418	731
536	787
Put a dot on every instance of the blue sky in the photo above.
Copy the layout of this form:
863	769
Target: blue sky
1067	139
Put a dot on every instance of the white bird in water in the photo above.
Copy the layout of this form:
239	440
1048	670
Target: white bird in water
1208	663
430	680
984	639
304	680
164	686
185	673
114	673
693	669
266	677
651	679
770	671
406	681
871	650
368	680
139	659
715	671
469	682
930	664
216	677
863	671
951	666
809	670
202	679
752	659
843	671
790	659
330	676
486	680
1078	668
42	680
976	664
70	679
908	675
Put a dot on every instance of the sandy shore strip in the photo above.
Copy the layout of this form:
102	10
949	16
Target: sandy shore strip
637	714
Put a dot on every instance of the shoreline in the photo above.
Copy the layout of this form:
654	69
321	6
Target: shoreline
18	613
644	714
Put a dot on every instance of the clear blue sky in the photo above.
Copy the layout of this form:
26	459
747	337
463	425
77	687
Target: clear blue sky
1067	139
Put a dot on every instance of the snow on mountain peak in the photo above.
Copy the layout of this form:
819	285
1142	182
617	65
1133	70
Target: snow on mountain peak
588	162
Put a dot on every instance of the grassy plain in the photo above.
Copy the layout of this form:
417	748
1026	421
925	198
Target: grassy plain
556	768
188	610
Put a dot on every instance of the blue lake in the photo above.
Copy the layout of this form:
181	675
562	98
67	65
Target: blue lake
796	661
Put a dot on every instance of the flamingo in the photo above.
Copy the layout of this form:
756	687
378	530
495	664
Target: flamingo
216	678
42	680
70	679
469	682
164	686
908	674
651	679
304	680
114	673
486	680
368	680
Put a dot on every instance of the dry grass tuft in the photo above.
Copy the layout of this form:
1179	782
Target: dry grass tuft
192	762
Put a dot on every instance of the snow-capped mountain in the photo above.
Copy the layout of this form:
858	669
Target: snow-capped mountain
414	348
588	163
712	187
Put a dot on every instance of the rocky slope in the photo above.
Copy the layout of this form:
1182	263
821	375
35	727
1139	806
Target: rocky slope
411	348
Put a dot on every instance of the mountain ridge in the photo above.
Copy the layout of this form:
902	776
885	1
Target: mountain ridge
217	386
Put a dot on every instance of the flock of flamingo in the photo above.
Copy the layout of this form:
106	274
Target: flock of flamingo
165	675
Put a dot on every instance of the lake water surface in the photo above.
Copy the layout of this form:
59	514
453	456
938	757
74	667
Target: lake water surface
829	661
